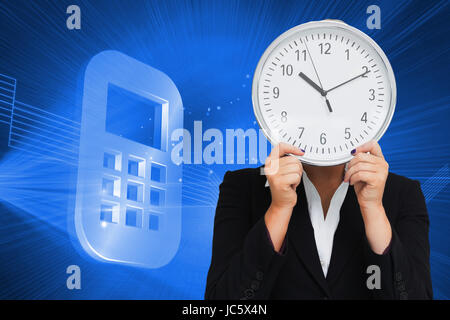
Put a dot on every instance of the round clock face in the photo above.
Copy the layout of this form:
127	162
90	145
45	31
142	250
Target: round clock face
326	88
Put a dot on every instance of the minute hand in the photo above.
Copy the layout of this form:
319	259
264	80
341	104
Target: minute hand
362	74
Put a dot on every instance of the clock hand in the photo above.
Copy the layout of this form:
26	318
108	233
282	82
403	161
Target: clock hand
309	54
328	104
315	86
362	74
312	83
322	92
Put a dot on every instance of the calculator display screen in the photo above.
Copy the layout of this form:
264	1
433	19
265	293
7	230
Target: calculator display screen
133	117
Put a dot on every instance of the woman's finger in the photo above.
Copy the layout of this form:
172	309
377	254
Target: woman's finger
291	168
283	149
292	179
363	176
362	157
360	166
372	147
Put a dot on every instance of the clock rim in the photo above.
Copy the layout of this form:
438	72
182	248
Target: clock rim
311	25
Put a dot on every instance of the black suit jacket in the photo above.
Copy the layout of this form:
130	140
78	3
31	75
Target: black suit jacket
244	264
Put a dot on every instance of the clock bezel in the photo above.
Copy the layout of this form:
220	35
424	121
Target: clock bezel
334	24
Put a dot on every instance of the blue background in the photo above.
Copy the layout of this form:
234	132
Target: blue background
210	50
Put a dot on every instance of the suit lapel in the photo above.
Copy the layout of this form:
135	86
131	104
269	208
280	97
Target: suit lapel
301	233
347	236
301	238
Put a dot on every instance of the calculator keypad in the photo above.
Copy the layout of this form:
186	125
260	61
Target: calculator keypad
128	188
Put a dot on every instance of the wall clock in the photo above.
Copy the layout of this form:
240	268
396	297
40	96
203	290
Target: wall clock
325	87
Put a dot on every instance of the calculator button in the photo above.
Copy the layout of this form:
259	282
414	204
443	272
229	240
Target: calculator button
133	217
158	172
153	222
108	186
112	160
157	197
136	166
109	213
109	161
135	191
133	168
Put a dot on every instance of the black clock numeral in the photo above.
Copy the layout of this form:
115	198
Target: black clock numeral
323	138
348	54
348	135
283	116
287	69
372	94
303	53
325	48
365	71
364	117
276	92
301	131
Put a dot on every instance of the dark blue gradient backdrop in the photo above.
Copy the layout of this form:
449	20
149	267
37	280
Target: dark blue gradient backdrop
210	50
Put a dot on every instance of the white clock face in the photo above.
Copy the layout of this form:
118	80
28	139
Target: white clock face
326	88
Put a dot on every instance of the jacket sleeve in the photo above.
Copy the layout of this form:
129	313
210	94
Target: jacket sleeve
405	268
244	264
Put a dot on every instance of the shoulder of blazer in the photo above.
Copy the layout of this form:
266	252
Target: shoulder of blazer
250	182
398	191
244	177
400	180
396	184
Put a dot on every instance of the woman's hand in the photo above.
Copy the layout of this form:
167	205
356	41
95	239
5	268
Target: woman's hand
284	174
367	172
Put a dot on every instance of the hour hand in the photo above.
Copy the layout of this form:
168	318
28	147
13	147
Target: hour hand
312	83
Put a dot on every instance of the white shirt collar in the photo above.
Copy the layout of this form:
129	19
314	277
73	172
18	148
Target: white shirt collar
324	228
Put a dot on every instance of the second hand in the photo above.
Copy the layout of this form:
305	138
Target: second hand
318	78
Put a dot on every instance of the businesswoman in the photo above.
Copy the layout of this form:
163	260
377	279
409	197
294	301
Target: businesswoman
305	232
